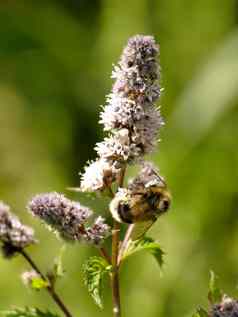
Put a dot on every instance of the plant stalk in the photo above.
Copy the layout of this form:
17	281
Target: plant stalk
115	270
49	288
115	251
104	254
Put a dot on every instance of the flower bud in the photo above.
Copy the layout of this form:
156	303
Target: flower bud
97	232
28	277
64	216
13	234
68	218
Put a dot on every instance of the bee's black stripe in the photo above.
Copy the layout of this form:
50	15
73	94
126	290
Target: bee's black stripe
125	214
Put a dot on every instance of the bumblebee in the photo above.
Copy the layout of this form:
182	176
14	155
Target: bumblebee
141	204
145	199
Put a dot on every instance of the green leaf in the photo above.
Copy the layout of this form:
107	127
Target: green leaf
38	283
57	270
58	266
147	244
27	312
94	270
201	312
214	294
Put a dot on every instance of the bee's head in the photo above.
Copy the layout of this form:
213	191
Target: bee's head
160	199
165	202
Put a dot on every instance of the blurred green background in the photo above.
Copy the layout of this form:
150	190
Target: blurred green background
56	58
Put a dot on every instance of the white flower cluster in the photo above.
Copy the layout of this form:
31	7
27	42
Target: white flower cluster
130	115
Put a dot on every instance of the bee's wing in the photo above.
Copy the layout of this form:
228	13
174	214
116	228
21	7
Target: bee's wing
135	232
139	229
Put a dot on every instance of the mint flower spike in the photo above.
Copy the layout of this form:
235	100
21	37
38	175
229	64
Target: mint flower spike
131	102
14	236
64	216
129	116
117	147
68	218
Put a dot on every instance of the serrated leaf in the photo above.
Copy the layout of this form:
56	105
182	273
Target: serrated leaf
94	270
214	294
147	244
27	312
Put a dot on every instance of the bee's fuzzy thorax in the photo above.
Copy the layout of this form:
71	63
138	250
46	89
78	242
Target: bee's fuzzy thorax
122	196
114	210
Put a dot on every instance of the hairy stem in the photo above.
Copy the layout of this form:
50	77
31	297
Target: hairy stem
49	288
115	251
